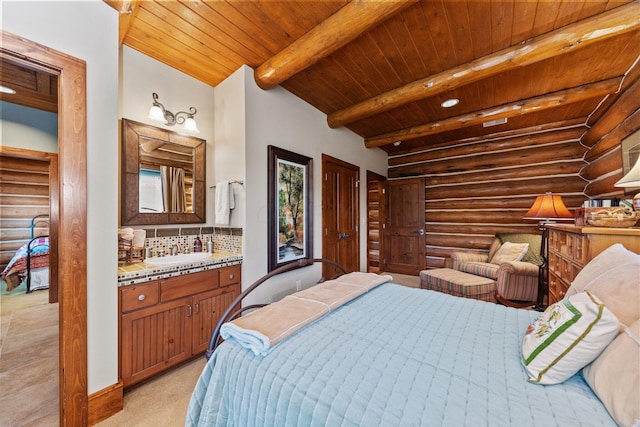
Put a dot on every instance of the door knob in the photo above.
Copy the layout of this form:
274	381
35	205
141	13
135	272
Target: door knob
421	232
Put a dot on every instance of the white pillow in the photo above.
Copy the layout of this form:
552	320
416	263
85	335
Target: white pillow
567	336
614	278
615	376
510	252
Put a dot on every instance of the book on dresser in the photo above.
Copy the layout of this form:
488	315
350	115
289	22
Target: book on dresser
572	247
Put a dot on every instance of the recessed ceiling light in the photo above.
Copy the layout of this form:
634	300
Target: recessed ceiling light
5	89
450	103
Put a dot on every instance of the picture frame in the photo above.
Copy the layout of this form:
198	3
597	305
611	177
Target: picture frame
290	207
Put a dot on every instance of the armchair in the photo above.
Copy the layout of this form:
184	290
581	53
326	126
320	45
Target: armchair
516	281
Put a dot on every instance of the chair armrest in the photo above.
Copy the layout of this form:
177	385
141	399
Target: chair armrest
518	280
520	268
458	258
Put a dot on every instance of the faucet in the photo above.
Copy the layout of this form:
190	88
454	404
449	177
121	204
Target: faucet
175	249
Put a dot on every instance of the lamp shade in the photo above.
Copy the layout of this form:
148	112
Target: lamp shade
632	178
190	125
548	206
156	114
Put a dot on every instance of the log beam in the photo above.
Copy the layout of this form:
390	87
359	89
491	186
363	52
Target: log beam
625	105
335	32
530	105
613	23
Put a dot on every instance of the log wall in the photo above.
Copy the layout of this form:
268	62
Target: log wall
616	120
24	193
477	188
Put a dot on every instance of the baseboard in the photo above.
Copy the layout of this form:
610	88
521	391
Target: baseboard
105	403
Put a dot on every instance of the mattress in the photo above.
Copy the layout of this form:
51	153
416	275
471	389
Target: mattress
395	356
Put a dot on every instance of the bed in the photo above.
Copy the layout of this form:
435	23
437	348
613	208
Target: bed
393	356
30	264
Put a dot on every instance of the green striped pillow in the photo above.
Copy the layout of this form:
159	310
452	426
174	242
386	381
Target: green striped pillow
566	337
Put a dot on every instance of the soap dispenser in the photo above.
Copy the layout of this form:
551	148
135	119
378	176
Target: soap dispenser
197	245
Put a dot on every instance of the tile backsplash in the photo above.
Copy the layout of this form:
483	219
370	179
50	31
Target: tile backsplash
224	239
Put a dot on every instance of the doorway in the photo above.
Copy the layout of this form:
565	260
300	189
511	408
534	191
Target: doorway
376	221
340	215
404	235
71	208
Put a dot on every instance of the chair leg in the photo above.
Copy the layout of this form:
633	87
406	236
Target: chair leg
515	304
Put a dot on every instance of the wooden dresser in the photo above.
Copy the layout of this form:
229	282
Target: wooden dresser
571	248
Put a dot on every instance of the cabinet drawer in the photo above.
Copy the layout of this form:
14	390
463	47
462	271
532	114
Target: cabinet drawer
230	275
188	284
135	297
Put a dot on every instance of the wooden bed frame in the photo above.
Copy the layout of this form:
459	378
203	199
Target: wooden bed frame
233	311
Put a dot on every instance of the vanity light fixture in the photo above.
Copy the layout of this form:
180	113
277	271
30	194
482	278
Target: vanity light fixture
452	102
158	113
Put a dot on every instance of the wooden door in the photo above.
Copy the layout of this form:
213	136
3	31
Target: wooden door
376	220
340	215
404	236
207	309
155	338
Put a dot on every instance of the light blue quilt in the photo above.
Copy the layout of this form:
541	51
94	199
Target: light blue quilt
395	356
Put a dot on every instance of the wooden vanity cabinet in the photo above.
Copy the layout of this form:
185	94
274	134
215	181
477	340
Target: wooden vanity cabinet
165	322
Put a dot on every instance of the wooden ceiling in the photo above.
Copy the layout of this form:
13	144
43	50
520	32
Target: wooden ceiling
33	87
383	68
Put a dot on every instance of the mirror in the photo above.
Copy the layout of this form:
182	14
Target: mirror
163	176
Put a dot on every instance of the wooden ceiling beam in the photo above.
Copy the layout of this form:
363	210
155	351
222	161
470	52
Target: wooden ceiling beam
342	27
518	108
613	23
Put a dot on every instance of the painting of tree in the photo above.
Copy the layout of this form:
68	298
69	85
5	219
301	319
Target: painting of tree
291	210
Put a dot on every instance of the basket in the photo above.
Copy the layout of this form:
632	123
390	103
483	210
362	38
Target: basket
613	217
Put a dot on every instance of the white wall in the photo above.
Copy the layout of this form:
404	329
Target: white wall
28	128
230	138
88	30
141	76
276	117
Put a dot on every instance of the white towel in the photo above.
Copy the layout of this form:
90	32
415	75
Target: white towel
224	202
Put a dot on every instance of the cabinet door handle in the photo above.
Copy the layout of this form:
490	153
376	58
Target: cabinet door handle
231	277
142	297
197	308
190	312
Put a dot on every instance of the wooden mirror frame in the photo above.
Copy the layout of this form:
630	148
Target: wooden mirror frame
130	179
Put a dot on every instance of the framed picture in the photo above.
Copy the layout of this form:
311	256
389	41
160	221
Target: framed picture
290	205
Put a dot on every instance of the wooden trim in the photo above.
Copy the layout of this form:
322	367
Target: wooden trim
578	35
72	248
106	402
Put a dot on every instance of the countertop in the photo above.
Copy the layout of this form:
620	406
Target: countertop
140	272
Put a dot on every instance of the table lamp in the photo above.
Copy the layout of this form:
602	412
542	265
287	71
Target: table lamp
547	209
632	179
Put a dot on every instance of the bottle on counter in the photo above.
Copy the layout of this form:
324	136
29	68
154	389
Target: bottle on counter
197	245
209	245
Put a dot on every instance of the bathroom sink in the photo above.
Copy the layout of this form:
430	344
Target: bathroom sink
177	259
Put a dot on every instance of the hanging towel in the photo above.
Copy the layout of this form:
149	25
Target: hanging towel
224	202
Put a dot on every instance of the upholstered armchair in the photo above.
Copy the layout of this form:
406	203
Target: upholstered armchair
516	281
